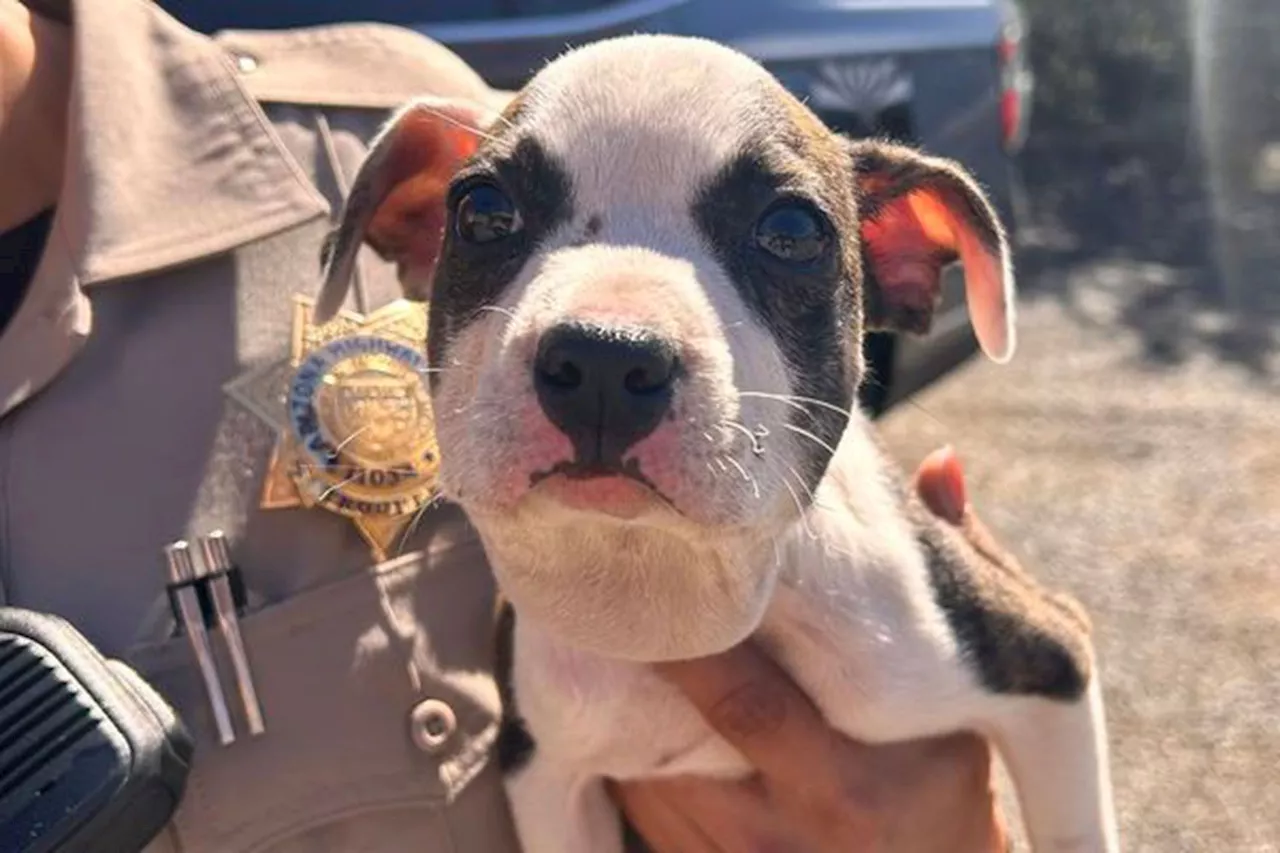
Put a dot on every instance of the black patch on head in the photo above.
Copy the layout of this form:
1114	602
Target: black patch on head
813	311
470	277
1015	650
515	745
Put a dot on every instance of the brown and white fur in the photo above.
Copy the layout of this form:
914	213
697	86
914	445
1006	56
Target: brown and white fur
628	188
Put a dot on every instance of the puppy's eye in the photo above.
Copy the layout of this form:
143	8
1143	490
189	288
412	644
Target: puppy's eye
793	231
486	214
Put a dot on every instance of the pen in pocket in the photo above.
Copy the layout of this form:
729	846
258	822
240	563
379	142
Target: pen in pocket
187	611
218	572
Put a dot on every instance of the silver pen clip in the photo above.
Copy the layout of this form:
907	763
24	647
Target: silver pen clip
182	592
217	566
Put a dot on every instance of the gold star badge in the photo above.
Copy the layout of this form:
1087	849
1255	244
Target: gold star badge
351	406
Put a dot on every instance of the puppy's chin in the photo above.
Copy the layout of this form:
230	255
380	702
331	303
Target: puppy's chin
625	589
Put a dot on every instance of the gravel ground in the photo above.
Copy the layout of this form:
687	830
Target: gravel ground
1130	454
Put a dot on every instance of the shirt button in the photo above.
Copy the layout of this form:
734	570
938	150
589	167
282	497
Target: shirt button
246	63
431	723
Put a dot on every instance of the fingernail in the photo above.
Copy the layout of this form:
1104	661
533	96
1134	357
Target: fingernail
942	484
953	491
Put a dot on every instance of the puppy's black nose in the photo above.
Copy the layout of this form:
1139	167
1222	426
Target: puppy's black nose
604	388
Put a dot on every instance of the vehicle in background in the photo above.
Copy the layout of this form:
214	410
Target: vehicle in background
946	75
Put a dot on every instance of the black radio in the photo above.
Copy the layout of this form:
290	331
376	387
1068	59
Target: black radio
92	759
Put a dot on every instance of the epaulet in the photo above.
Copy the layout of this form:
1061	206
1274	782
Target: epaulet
376	66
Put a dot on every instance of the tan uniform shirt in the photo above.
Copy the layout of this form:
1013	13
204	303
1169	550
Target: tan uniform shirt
200	181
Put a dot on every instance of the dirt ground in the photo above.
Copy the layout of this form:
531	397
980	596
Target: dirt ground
1131	458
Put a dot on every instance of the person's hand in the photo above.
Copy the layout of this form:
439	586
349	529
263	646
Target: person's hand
815	791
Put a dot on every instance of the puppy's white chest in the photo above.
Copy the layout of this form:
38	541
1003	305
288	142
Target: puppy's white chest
874	667
611	718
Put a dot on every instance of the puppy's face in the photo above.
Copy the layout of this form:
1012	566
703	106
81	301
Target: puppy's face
648	282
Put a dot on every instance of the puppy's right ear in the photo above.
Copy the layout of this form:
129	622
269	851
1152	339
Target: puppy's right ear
919	214
397	200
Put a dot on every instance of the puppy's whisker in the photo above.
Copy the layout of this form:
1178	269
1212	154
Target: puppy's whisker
498	309
495	407
508	318
829	549
804	516
324	496
453	121
412	526
777	398
811	437
928	414
796	401
756	446
499	117
738	466
813	498
755	485
913	404
312	468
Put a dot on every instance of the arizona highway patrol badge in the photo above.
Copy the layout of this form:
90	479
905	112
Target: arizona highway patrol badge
354	417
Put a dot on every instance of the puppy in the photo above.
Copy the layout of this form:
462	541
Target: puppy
649	279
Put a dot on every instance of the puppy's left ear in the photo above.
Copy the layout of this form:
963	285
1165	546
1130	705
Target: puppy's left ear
397	200
917	215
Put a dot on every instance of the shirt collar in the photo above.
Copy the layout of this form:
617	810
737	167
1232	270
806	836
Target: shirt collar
169	160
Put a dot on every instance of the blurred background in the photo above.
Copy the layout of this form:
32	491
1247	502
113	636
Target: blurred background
1130	453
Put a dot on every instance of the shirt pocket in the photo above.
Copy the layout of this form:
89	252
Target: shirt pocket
377	697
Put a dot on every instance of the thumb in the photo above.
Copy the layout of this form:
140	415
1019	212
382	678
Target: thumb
940	484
